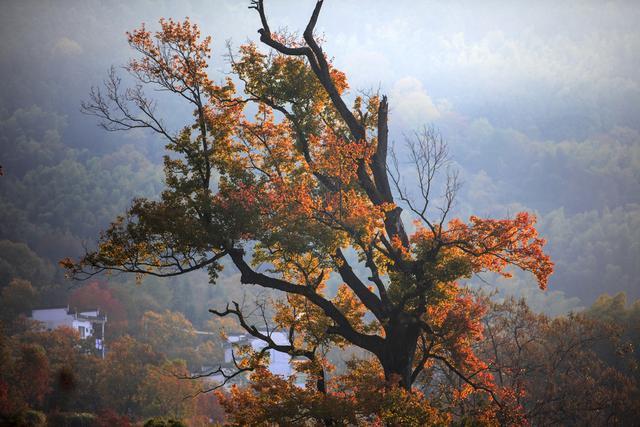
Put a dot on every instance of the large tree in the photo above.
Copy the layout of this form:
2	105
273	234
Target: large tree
288	195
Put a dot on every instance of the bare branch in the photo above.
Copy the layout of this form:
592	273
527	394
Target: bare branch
113	108
428	154
267	337
342	327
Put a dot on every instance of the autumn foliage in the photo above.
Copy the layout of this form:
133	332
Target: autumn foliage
303	187
96	295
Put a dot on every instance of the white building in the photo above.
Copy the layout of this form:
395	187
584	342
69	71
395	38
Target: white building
279	363
83	322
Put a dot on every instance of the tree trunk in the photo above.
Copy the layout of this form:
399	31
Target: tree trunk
399	350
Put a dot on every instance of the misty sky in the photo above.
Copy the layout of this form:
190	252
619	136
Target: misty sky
539	101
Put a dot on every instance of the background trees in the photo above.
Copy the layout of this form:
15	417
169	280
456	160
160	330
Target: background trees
570	369
53	372
97	295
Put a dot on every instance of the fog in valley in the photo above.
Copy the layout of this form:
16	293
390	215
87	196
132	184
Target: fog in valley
539	103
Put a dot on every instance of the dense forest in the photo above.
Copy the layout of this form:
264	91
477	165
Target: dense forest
570	154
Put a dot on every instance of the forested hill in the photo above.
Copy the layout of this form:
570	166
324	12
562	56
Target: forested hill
573	160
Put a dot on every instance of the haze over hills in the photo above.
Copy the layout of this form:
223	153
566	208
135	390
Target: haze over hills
540	110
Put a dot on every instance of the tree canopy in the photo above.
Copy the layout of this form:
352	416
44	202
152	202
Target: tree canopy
285	194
